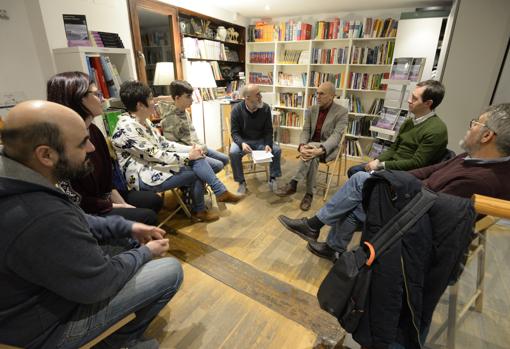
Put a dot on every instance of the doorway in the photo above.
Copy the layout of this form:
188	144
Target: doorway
156	39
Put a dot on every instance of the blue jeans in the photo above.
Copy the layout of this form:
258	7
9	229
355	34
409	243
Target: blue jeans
354	169
216	159
195	175
236	156
343	212
148	291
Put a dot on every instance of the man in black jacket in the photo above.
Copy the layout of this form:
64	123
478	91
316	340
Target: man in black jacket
58	287
252	129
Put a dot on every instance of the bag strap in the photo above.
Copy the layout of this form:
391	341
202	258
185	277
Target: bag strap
399	224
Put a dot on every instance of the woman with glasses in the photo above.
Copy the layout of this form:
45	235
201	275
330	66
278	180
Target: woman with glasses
95	192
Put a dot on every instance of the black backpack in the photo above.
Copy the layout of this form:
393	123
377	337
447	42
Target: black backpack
344	290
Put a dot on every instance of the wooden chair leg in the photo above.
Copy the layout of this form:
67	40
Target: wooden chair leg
109	331
480	273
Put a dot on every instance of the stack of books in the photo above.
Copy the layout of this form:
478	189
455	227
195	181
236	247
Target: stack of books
104	39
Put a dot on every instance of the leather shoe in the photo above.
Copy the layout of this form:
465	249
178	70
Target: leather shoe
299	227
321	249
206	216
287	190
229	197
306	202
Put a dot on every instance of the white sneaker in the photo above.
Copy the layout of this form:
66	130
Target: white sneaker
273	185
242	189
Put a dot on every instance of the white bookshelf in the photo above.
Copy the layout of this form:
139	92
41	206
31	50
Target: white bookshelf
278	47
74	59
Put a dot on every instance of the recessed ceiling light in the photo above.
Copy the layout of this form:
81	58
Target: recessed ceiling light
267	8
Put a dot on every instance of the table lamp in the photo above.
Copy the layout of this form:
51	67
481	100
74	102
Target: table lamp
164	75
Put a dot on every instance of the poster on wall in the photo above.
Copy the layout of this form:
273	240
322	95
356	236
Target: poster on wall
76	30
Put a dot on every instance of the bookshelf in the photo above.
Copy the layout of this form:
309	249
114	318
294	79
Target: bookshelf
276	67
214	41
75	59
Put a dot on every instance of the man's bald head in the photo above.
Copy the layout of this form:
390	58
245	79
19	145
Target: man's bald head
34	123
325	94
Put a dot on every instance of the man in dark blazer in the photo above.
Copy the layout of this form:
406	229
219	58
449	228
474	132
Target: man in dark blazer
320	139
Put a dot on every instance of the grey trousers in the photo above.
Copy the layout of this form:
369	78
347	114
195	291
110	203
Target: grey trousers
308	170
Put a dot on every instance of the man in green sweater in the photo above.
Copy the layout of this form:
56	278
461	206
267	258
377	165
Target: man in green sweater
422	138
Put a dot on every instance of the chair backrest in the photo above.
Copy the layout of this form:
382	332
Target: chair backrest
450	154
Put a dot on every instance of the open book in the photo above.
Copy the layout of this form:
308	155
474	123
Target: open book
261	156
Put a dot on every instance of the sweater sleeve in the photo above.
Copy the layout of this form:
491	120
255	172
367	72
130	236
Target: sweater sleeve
425	172
109	227
59	253
268	127
235	125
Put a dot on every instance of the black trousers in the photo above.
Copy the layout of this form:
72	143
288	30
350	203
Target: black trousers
147	206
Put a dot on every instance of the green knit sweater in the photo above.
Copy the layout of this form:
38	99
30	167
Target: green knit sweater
417	146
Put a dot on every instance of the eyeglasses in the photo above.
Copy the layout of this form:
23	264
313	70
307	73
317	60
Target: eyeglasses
476	122
96	93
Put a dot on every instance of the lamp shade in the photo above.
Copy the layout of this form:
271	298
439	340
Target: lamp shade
164	73
201	75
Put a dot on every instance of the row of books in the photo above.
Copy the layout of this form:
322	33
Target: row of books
291	57
204	94
105	39
407	68
207	49
317	78
260	78
332	29
343	29
155	38
381	54
234	85
353	148
289	118
366	81
295	80
292	31
105	75
360	126
216	70
262	57
330	55
355	105
376	107
288	99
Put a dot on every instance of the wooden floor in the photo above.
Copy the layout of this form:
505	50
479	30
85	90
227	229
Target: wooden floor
249	283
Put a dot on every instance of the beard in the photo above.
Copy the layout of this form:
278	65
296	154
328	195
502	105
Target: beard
471	147
64	170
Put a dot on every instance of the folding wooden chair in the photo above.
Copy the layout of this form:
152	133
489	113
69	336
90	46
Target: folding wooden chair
496	209
333	168
96	340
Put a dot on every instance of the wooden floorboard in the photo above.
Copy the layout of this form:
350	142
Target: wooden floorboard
285	299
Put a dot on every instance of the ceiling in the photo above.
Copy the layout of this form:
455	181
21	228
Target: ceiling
285	8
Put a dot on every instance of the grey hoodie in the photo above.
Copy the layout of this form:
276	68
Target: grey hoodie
50	260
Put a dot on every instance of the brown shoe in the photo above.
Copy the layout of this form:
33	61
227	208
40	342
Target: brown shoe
306	202
229	197
206	216
287	190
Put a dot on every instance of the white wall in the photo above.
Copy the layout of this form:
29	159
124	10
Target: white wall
418	38
20	69
479	40
210	10
502	94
